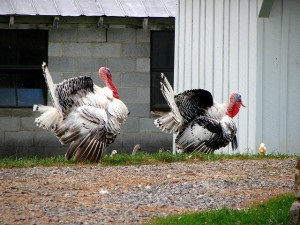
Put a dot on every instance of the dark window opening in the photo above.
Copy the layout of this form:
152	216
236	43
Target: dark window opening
162	61
22	88
21	80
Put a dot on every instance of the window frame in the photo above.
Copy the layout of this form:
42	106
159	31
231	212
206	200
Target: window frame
20	65
157	100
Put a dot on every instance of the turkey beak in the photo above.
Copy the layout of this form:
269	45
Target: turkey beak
239	99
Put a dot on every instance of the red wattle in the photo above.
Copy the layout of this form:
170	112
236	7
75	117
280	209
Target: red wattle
234	110
112	87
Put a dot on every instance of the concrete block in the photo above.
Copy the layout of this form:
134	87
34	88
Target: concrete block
2	139
136	50
89	64
139	109
134	95
147	124
9	123
121	64
39	151
120	149
54	151
55	49
143	35
121	35
74	49
57	77
119	140
15	112
27	151
132	138
146	139
107	50
136	80
131	125
128	94
19	138
91	35
57	64
163	140
116	78
45	138
27	123
143	65
62	35
7	151
143	95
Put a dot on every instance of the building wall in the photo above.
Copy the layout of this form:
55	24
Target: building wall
225	46
82	51
216	50
278	75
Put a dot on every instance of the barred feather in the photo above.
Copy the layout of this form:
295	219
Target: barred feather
201	123
84	115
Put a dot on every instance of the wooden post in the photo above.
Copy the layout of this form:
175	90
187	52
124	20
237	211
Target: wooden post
295	208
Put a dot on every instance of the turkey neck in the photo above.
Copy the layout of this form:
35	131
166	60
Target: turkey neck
233	108
112	87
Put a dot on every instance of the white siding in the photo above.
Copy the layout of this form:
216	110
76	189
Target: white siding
222	46
216	50
280	76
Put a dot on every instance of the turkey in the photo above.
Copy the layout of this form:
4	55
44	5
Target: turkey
83	114
201	123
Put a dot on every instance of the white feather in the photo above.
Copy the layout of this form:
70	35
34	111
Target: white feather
217	111
51	87
173	120
49	116
89	117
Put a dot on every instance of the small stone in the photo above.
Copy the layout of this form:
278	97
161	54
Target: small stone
295	212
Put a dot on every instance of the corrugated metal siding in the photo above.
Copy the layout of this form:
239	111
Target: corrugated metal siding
279	77
216	50
121	8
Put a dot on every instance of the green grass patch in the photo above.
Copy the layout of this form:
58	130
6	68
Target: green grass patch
273	211
141	158
27	162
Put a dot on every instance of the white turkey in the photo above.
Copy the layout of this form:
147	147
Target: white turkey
201	123
83	114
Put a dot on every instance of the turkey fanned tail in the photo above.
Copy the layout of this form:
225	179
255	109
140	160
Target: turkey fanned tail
91	147
173	120
206	135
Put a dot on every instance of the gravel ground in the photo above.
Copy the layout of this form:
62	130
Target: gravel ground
134	194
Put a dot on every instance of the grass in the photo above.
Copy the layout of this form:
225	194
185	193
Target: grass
140	158
28	162
273	211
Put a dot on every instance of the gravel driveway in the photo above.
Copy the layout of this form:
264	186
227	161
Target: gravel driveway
134	194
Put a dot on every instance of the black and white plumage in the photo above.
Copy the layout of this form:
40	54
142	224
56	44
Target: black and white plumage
83	114
201	123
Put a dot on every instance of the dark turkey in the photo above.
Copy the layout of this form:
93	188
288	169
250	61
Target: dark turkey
201	124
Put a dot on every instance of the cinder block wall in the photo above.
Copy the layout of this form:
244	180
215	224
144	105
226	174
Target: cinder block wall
81	52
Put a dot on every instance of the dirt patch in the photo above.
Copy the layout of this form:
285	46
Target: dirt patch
134	194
